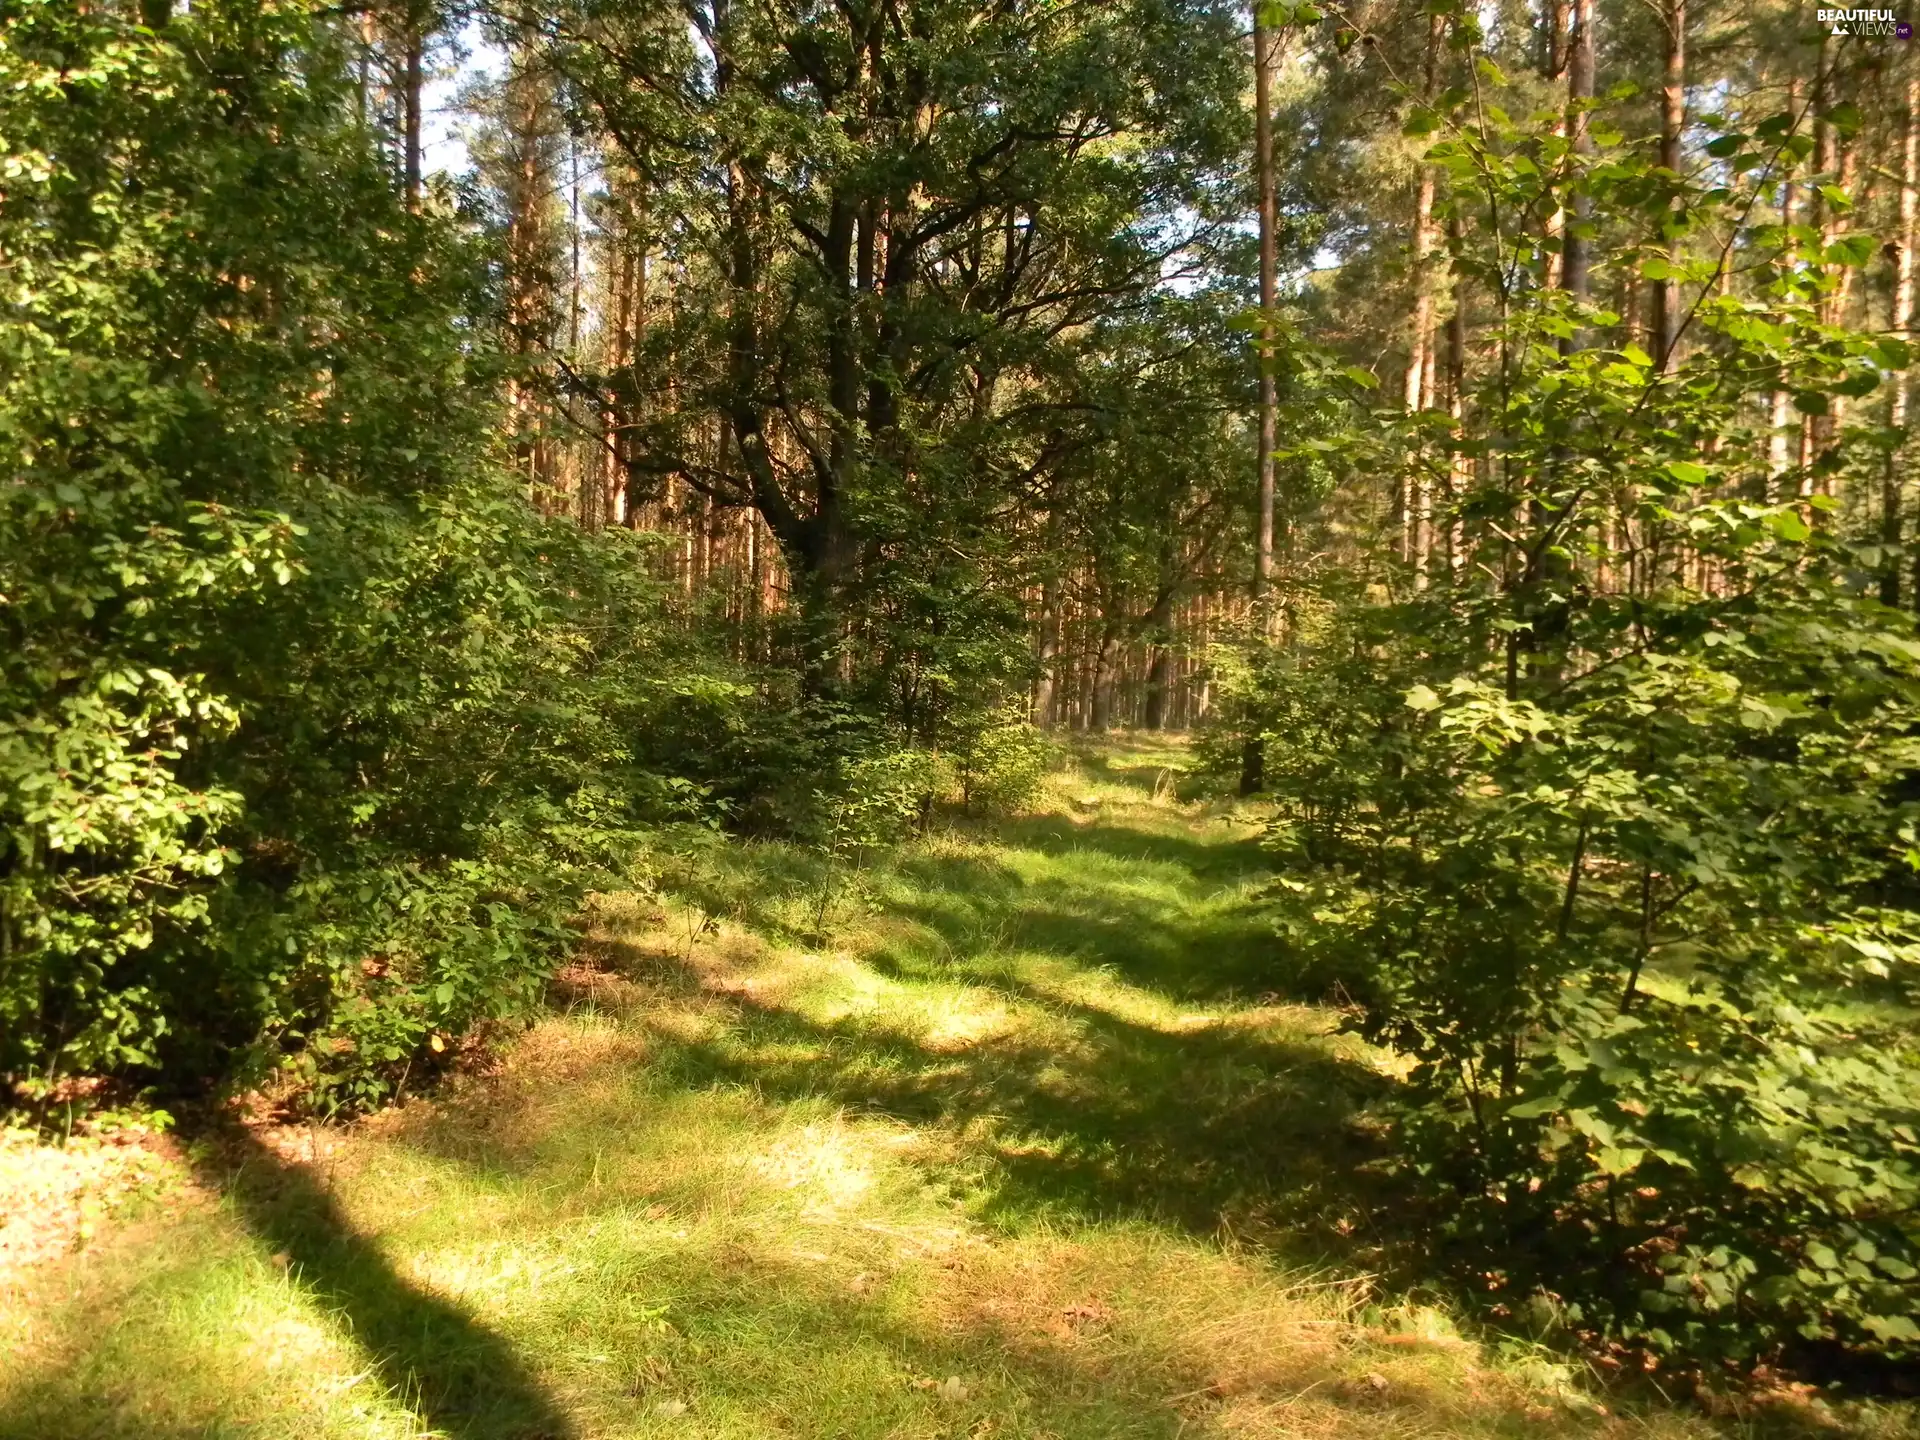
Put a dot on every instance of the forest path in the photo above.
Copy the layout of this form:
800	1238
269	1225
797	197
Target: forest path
996	1138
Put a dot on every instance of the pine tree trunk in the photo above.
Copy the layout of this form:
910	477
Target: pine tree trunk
1460	476
1556	17
1265	45
1901	322
1417	537
1577	248
415	42
1106	673
1828	162
1159	683
1779	408
1049	652
1673	119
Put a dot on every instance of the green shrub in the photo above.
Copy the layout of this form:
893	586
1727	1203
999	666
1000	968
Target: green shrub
311	730
1651	950
1623	860
1002	766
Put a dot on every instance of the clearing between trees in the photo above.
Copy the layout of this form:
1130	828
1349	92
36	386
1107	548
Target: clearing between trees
996	1137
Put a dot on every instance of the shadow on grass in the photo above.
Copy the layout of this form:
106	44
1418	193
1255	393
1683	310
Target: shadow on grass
463	1380
1222	1127
1173	937
1224	1124
29	1415
1176	925
1152	764
1210	861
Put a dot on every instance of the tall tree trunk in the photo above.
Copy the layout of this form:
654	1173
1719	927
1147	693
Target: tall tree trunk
1159	687
1901	322
1417	495
574	272
1828	162
1420	357
1577	248
414	39
635	253
1049	652
528	278
1780	407
1265	47
1556	18
1106	673
1460	475
1673	119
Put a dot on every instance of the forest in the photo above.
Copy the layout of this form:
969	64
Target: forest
959	717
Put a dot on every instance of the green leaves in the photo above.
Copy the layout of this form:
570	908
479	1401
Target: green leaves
1845	118
305	750
1281	13
1609	848
1852	250
1422	120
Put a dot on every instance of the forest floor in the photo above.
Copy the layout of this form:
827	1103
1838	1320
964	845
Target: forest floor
998	1137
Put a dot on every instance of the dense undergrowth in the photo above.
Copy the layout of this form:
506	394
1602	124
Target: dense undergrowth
312	728
313	732
1003	1139
1619	849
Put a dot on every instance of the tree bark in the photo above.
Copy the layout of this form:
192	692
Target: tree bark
1577	248
1417	495
1673	119
1556	18
528	278
1265	45
1159	686
1049	652
1829	163
414	41
1779	409
1555	13
1460	476
1901	322
1106	672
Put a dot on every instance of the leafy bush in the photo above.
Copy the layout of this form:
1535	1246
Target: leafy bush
1003	765
311	731
1624	861
1650	947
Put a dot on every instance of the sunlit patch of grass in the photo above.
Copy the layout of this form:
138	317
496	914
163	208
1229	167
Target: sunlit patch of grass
1016	1147
182	1326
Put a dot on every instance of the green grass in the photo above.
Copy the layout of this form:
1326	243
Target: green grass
1001	1137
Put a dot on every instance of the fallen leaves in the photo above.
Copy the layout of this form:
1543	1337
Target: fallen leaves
53	1197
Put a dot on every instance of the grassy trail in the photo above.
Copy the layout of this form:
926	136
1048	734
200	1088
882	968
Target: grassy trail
1000	1139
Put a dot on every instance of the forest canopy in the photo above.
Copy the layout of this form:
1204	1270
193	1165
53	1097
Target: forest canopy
1485	428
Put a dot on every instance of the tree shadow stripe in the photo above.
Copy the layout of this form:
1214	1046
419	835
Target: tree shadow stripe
464	1381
